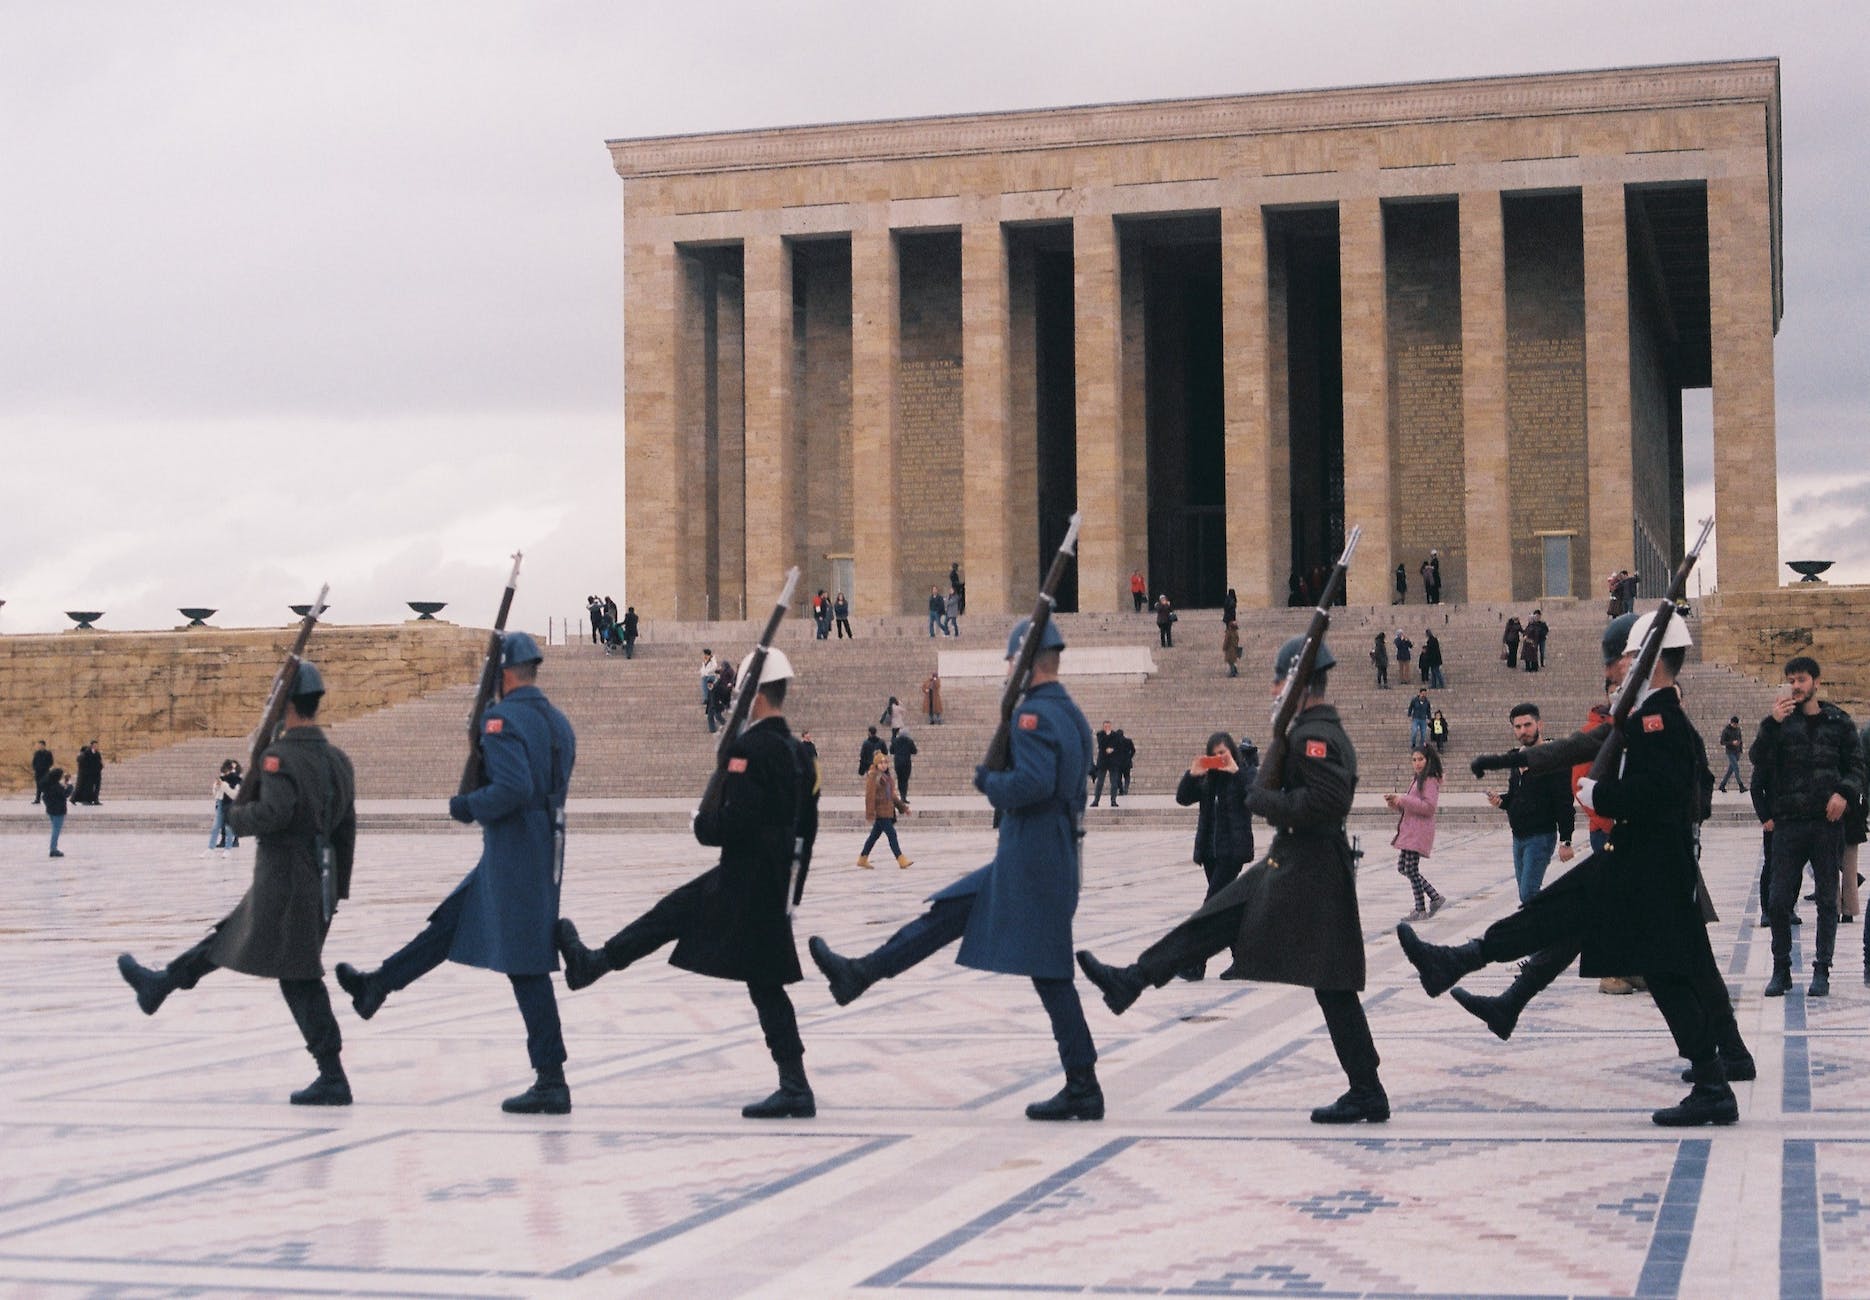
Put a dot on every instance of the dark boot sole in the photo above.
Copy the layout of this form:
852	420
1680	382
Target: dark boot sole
1719	1119
788	1112
1076	1112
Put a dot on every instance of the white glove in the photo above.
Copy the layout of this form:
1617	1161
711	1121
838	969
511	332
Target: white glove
1587	790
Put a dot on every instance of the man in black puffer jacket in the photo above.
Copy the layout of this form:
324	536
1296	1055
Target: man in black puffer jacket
1807	755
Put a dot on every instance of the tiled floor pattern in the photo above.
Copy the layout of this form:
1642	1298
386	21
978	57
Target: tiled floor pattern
147	1157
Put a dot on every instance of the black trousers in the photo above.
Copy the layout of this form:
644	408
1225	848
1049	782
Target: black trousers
945	922
1553	923
538	1004
308	1001
1097	782
1201	937
672	918
1794	843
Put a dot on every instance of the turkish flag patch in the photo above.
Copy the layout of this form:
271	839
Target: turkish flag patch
1315	749
271	764
1652	722
495	726
1028	722
736	765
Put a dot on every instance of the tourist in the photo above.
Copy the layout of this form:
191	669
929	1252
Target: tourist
55	792
710	669
306	786
1732	742
1230	647
866	752
953	607
821	615
1404	649
594	609
226	787
90	783
1139	590
721	698
938	613
1217	784
1438	731
1402	586
1415	829
931	696
894	716
1418	712
1380	656
1538	808
1510	638
1532	652
1106	763
1430	661
41	765
1230	607
957	586
903	751
1165	621
841	609
1126	763
631	629
882	801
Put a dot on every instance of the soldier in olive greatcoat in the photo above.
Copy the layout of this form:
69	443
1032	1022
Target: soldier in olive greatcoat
304	818
1291	918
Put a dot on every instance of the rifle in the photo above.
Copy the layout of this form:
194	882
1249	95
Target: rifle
743	703
474	772
275	711
1000	748
1610	753
1299	675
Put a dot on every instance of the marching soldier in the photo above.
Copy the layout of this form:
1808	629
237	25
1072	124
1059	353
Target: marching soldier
1292	917
304	810
500	916
1014	915
732	922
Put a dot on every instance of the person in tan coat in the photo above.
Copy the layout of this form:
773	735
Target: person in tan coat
881	804
931	697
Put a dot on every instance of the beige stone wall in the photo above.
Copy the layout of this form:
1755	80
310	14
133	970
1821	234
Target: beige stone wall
139	691
1428	475
1757	631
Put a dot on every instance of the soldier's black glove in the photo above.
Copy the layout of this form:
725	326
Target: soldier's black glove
1484	763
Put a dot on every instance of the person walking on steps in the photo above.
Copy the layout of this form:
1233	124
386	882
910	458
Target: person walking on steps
306	819
1733	744
1291	918
734	920
1013	916
882	802
500	916
1633	907
1415	829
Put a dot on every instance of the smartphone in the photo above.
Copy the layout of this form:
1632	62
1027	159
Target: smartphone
1210	763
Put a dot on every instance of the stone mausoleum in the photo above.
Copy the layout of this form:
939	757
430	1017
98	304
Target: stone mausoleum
1461	314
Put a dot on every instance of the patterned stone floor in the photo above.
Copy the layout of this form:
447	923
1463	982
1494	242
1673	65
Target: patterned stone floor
157	1157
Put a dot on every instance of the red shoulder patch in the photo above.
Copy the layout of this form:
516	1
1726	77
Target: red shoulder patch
1652	722
1028	722
1315	749
495	726
271	763
736	765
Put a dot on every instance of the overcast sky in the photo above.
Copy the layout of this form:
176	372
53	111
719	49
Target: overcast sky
332	291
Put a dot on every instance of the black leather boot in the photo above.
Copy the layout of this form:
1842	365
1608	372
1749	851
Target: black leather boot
1820	986
1781	982
1120	985
549	1095
1364	1101
793	1100
151	986
583	967
1440	968
1736	1067
367	989
1080	1098
1711	1101
847	976
330	1088
1499	1014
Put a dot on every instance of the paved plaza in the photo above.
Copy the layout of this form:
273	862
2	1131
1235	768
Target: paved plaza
158	1157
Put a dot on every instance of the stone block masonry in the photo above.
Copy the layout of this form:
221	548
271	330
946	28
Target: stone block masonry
138	691
1757	631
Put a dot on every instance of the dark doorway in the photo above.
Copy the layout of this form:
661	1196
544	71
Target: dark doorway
1055	376
1178	263
1303	248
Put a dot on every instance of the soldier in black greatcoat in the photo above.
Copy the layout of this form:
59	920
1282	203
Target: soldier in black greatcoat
304	807
734	921
1292	917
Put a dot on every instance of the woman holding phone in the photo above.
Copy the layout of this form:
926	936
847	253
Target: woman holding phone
1223	828
1415	829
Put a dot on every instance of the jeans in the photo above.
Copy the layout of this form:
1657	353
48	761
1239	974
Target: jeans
222	836
1165	635
58	824
1532	854
1418	732
882	826
938	621
1435	680
1733	771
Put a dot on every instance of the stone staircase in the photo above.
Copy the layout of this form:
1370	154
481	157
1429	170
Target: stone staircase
641	731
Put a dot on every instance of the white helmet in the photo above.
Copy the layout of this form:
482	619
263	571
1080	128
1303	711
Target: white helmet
1674	636
777	668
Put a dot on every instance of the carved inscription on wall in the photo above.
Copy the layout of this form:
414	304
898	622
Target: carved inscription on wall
928	470
1545	449
1426	381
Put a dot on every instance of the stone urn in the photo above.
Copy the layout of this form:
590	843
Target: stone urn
303	610
196	616
84	619
1808	570
426	610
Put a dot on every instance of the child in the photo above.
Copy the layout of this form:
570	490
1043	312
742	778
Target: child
1415	829
1438	732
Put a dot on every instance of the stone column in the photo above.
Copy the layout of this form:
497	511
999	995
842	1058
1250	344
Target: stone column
1366	398
876	336
986	448
653	479
1259	540
771	450
1610	541
1740	292
1105	538
1483	398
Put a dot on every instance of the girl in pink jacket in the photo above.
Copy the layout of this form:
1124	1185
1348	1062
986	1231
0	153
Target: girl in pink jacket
1415	829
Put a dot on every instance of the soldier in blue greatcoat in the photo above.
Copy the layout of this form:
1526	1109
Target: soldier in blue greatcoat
500	916
1014	915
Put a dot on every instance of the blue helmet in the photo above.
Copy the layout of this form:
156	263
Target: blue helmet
308	680
518	648
1051	639
1282	663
